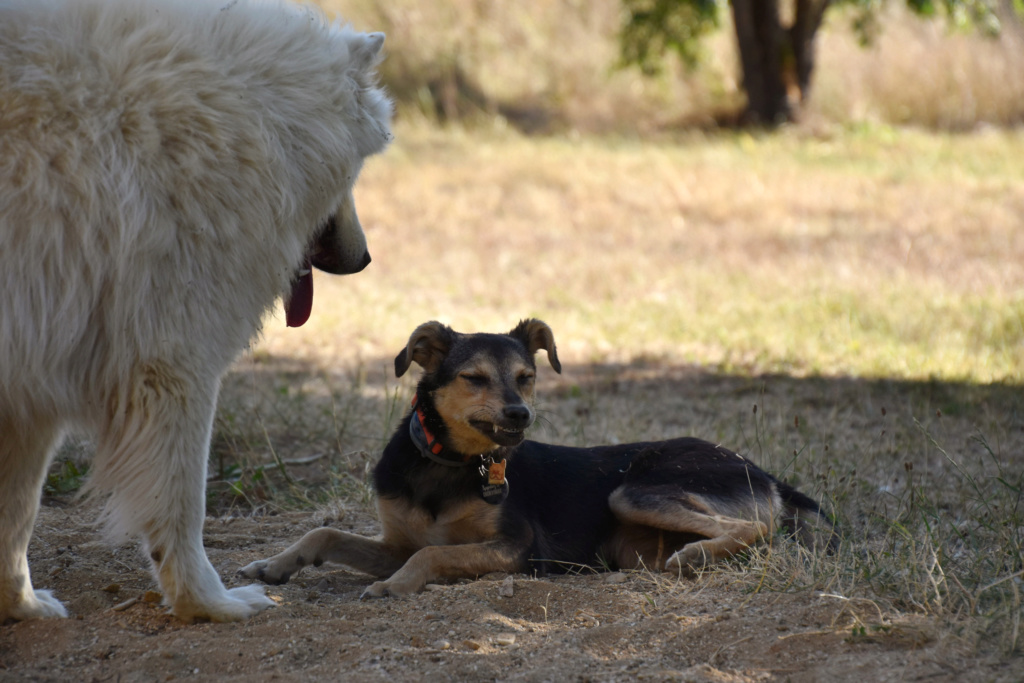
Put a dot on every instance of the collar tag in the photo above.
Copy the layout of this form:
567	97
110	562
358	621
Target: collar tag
496	473
493	485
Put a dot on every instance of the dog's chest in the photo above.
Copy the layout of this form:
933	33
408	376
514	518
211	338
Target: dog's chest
468	521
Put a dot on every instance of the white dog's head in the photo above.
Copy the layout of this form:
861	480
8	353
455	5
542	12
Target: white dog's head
339	245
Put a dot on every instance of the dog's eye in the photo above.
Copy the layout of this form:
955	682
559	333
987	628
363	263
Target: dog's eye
525	378
475	380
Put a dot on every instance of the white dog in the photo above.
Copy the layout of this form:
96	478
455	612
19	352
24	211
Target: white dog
167	170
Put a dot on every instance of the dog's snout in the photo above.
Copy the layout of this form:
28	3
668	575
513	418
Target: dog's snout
365	262
517	413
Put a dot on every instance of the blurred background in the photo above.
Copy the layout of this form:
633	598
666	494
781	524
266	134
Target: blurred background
619	168
645	66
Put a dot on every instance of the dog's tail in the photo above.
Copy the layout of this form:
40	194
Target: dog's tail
806	520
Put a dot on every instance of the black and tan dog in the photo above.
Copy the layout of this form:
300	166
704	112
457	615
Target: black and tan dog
460	493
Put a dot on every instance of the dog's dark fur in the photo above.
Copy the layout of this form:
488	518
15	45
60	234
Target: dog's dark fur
675	505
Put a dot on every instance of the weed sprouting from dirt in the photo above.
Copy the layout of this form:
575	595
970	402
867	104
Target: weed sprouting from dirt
66	476
70	469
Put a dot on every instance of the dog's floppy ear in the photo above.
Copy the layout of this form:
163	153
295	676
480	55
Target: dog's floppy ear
535	335
428	346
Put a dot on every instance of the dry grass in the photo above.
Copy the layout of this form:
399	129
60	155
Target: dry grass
922	73
542	65
882	253
848	311
865	292
845	307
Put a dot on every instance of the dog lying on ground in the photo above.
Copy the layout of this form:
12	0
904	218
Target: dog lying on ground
168	168
460	493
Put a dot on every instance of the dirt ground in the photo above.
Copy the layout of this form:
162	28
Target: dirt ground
587	627
595	627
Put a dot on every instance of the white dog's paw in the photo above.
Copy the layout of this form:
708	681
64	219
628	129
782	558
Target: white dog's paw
49	606
235	604
38	604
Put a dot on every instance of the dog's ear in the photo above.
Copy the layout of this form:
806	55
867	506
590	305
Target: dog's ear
535	335
365	49
428	346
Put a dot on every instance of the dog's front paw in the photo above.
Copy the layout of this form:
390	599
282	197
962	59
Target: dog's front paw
380	589
235	604
262	570
38	604
389	588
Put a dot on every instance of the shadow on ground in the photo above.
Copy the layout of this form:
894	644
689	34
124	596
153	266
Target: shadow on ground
802	427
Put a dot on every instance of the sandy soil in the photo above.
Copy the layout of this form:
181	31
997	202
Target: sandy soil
594	627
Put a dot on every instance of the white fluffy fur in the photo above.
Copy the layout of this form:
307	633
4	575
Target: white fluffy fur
163	167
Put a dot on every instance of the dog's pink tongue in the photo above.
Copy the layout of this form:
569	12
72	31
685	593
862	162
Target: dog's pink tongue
300	302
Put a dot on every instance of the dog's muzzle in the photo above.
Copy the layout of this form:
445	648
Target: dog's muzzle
331	253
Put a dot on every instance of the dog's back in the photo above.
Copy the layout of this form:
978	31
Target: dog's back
564	494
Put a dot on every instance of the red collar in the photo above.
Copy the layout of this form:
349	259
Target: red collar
428	444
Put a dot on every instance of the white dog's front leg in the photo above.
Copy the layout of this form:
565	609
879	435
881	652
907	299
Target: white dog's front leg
25	448
194	591
153	462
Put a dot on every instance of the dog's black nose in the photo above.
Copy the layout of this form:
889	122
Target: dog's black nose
519	414
365	262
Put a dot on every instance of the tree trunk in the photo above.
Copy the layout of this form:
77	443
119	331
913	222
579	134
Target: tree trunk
802	35
759	36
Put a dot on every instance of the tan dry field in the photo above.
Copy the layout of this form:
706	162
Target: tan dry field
847	310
